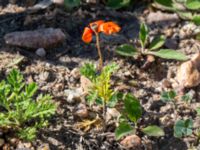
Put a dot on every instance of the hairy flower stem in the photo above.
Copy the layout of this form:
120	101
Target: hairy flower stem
99	52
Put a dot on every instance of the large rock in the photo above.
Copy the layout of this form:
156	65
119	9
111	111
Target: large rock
188	74
163	19
45	38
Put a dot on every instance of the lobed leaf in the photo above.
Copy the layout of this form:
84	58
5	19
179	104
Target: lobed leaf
183	128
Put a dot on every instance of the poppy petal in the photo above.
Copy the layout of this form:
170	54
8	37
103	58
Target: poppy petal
87	35
109	28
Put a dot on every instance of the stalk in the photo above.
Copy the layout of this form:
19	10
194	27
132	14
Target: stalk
99	52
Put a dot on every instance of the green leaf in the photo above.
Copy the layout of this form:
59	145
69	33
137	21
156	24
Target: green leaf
117	4
187	98
193	4
196	19
183	128
123	129
89	71
28	133
126	50
114	99
185	15
198	111
71	3
166	3
157	42
132	108
153	131
168	96
20	111
31	89
169	54
143	35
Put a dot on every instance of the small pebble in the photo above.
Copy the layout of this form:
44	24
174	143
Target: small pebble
81	111
41	52
131	141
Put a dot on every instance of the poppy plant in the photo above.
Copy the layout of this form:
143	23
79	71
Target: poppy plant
96	27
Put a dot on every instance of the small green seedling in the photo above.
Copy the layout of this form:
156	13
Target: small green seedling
133	112
168	96
187	98
171	96
20	112
152	49
100	91
183	128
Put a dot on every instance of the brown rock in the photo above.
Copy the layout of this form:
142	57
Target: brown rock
85	84
81	111
46	38
188	74
131	142
163	19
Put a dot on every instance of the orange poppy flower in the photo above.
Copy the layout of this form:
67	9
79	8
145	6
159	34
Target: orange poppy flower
109	28
97	24
87	35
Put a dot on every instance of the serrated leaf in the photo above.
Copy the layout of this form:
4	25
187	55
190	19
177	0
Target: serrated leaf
31	89
153	131
169	54
123	129
183	128
193	4
132	108
126	50
143	35
117	4
157	42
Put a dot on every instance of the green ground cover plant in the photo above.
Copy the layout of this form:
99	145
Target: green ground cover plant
20	112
